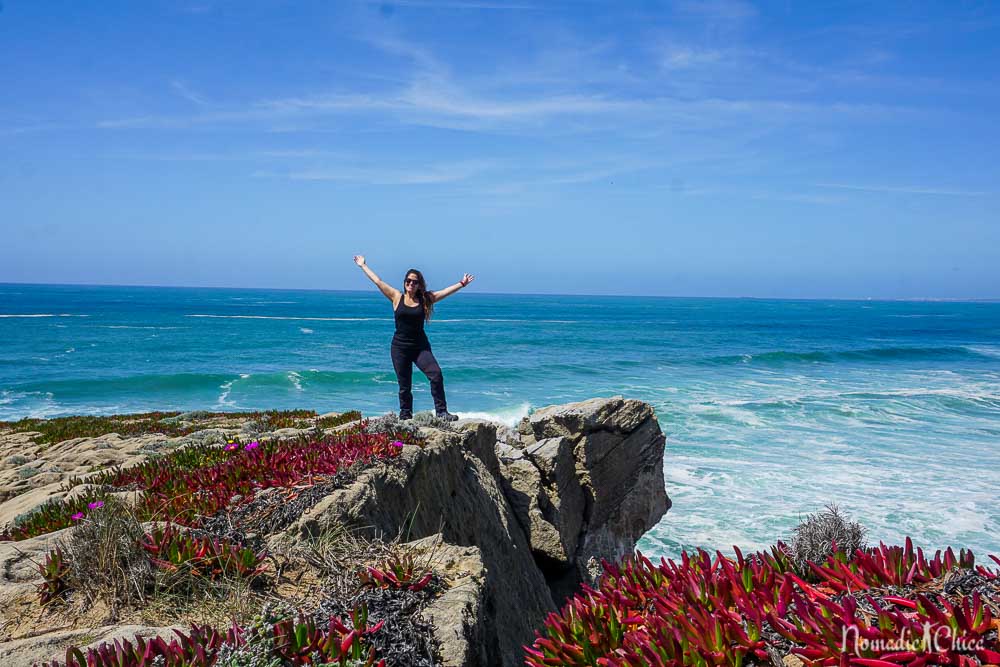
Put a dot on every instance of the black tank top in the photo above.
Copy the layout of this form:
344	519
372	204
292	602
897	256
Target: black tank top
410	326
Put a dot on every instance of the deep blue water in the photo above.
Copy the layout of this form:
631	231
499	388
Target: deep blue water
771	408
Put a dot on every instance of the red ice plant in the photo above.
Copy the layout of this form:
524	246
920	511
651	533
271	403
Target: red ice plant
708	611
399	572
197	482
54	572
171	548
298	642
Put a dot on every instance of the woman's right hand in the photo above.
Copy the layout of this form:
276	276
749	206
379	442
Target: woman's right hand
359	260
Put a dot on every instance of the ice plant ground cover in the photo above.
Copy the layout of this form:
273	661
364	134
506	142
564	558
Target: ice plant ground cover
883	606
168	423
193	483
181	491
286	642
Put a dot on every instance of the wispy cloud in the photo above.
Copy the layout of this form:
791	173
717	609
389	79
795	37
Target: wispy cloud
425	174
247	155
797	197
197	9
182	89
903	189
685	57
35	127
717	10
444	104
453	4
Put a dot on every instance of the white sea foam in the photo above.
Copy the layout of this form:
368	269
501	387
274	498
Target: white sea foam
296	380
41	315
35	404
499	319
924	315
305	319
509	416
227	389
305	330
985	351
130	326
728	413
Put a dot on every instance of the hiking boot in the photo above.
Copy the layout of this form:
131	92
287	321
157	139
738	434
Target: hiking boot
447	416
405	414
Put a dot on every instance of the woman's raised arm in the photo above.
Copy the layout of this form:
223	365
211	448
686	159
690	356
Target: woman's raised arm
389	291
451	289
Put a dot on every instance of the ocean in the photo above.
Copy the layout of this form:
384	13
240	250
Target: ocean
772	408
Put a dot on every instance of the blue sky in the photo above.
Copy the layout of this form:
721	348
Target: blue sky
726	148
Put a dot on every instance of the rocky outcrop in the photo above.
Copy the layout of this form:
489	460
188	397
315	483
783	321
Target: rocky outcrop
445	487
512	520
575	484
600	465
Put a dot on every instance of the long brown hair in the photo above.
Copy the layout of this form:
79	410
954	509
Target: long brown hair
422	293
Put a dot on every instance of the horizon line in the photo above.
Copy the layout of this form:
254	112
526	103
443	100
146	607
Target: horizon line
993	299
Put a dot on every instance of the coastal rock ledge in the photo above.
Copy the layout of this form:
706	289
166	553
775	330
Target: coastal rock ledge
516	519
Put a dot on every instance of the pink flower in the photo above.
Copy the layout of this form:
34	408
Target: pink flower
97	504
77	516
252	445
231	446
397	443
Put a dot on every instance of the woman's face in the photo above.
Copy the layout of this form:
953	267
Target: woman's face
411	283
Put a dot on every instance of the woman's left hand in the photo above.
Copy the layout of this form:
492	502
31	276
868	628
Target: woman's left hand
466	279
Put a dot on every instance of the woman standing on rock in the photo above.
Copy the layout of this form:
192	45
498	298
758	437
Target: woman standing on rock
412	307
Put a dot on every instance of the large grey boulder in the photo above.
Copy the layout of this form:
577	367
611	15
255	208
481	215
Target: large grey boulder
599	483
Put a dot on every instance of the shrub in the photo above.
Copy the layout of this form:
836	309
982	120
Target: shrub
389	423
823	534
107	561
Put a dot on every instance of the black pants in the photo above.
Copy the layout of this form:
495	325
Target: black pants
402	360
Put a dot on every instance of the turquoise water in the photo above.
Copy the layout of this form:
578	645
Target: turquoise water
771	408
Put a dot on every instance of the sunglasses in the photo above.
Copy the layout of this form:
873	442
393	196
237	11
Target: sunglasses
409	281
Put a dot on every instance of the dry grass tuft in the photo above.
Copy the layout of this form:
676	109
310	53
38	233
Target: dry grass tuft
821	534
106	558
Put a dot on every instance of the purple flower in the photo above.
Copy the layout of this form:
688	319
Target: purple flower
397	443
252	445
77	516
97	504
230	447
